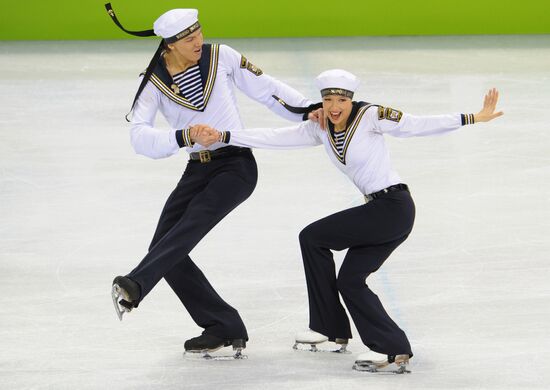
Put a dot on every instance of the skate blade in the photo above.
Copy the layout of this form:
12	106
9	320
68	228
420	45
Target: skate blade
312	347
381	369
117	294
209	355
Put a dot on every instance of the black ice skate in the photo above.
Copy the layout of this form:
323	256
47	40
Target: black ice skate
203	346
378	363
125	293
309	340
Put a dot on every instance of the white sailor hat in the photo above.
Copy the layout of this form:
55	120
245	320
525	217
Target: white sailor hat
337	82
176	24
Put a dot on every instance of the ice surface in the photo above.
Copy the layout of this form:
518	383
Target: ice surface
470	286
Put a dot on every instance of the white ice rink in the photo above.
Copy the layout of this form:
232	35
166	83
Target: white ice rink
471	285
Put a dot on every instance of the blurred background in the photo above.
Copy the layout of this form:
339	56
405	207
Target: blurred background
71	20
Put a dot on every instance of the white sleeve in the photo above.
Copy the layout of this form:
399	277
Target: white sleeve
261	87
145	138
386	120
292	137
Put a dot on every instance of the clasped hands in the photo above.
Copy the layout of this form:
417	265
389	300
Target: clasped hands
204	135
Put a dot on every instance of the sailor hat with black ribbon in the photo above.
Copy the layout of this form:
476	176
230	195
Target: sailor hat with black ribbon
176	24
337	82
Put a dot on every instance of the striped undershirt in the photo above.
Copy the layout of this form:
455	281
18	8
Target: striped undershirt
339	141
190	85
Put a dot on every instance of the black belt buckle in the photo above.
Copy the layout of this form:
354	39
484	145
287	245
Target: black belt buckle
205	156
395	187
375	195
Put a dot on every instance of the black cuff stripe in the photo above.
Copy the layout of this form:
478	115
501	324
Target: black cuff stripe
179	138
183	138
226	137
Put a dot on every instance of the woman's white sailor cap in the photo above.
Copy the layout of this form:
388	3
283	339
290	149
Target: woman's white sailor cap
337	82
177	24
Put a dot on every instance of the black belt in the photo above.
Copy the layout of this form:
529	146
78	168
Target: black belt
377	194
205	156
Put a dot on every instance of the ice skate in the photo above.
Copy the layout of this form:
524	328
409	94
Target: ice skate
379	363
309	340
125	293
203	346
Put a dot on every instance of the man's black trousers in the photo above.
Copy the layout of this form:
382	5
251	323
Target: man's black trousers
206	193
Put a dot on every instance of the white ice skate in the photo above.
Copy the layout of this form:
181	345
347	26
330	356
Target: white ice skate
379	363
311	339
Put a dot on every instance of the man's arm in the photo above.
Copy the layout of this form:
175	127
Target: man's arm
261	87
148	140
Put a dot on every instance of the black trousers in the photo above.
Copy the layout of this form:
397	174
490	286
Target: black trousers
371	232
206	193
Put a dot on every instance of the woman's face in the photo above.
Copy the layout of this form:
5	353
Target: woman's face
190	47
338	109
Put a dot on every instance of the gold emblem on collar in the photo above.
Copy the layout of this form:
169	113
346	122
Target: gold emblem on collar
175	88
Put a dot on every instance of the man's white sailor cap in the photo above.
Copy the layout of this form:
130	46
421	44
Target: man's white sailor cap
337	82
176	24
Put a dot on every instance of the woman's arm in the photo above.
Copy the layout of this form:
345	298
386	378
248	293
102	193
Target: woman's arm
293	137
389	121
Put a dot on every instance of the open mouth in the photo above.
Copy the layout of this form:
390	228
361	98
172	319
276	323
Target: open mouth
334	116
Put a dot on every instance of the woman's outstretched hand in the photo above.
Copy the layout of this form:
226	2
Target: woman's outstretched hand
488	113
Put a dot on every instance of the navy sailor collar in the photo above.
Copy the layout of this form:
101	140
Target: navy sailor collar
355	116
208	66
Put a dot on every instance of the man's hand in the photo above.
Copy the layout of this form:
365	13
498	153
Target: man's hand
319	117
488	113
204	135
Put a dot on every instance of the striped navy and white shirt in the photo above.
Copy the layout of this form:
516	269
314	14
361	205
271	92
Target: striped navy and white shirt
339	142
190	85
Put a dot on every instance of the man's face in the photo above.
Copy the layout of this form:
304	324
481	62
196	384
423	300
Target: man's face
189	47
338	109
